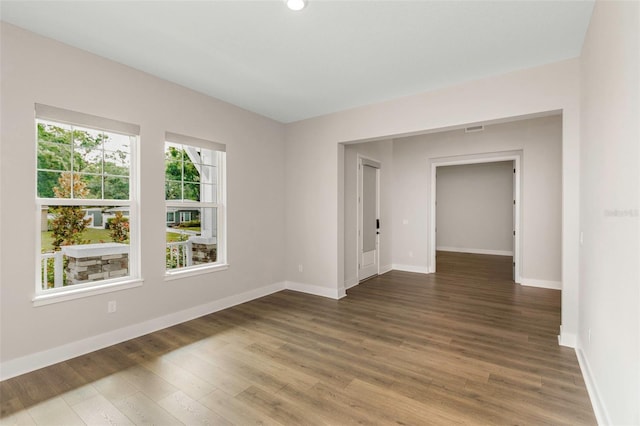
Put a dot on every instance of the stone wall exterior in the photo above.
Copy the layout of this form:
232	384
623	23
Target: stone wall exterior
96	262
203	253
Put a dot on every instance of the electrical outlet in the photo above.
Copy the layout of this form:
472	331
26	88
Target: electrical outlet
111	306
300	268
589	336
405	221
410	254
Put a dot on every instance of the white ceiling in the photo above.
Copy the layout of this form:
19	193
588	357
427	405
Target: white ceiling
331	56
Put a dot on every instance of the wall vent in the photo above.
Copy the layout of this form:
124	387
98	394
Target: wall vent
474	129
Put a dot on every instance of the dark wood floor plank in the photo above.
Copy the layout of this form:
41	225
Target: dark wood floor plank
277	408
234	410
190	411
142	410
464	345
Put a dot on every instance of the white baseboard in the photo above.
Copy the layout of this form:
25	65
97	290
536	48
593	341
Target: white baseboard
332	293
530	282
599	409
410	268
569	340
25	364
475	251
386	268
351	282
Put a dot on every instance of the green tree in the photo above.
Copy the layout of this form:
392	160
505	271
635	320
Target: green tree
54	153
61	149
182	179
119	228
69	222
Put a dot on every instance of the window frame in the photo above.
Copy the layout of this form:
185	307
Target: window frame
220	205
86	121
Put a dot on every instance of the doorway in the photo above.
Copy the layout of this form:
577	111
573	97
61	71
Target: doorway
475	215
368	218
510	212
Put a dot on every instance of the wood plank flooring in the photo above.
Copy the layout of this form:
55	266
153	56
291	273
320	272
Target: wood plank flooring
462	346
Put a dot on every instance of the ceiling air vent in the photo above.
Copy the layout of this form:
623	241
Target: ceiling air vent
474	129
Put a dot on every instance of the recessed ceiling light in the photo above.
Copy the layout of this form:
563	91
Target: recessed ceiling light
296	4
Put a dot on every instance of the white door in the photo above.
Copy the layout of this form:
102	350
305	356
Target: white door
515	210
369	219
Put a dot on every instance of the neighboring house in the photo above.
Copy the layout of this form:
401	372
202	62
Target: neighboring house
95	214
177	216
100	217
109	214
97	217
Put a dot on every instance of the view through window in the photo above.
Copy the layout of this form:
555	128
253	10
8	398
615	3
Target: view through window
194	203
84	204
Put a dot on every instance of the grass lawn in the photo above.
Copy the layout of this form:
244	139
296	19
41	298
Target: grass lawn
188	228
174	236
91	234
95	236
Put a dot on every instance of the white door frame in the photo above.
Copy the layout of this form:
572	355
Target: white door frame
433	163
375	163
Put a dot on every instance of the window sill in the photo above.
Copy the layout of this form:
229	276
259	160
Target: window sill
79	293
194	271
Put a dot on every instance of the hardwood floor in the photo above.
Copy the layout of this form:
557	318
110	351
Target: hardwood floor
464	345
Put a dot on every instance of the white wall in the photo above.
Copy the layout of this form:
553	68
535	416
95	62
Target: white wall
474	210
35	69
540	140
380	151
314	164
610	199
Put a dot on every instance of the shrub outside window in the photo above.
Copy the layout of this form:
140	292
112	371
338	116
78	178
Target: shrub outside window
84	200
195	203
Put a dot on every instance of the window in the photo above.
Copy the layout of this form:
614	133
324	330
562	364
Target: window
185	216
85	201
195	203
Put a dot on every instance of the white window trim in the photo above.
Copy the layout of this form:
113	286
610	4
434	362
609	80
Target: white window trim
191	271
47	296
106	286
74	118
221	263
